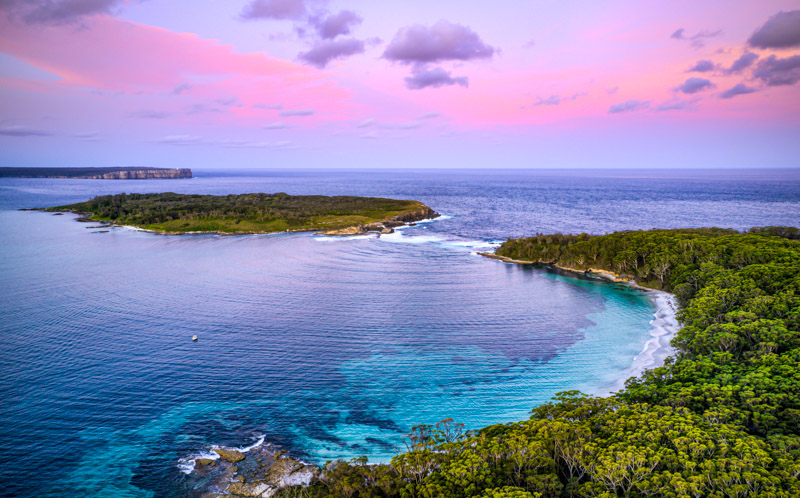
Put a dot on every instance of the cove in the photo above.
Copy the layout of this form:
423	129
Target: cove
329	347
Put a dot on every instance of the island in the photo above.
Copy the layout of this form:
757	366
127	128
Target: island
172	214
112	173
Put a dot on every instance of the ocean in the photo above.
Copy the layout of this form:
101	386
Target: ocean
328	347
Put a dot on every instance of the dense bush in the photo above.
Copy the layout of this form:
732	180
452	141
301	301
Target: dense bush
225	212
720	418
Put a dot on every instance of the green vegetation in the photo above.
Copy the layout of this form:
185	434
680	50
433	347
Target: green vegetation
721	418
244	213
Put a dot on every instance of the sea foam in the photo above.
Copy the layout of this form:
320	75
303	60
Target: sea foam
664	328
187	465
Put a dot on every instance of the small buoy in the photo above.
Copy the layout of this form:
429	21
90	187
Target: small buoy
194	337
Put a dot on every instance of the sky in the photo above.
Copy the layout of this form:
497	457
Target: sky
288	84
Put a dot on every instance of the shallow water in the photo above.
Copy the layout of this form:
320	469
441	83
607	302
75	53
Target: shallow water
329	347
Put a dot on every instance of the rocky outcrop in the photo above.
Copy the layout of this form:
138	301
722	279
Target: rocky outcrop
354	230
232	456
595	272
257	488
261	471
388	225
424	213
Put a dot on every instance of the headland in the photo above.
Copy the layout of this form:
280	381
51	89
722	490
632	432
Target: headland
258	213
111	173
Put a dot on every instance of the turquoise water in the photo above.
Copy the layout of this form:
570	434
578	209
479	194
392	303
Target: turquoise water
328	347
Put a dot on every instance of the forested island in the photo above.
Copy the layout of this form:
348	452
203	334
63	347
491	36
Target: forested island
720	418
171	213
111	173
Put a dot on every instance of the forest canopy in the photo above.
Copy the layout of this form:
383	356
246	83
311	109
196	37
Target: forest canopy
241	213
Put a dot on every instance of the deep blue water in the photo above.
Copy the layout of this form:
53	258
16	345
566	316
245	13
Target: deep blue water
329	347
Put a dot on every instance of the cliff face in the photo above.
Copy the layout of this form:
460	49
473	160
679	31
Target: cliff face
119	173
143	174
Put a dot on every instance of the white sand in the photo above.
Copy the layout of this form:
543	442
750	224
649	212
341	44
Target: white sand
664	327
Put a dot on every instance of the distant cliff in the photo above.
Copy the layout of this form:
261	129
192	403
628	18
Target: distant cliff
97	173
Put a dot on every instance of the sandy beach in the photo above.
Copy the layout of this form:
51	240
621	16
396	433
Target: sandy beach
663	328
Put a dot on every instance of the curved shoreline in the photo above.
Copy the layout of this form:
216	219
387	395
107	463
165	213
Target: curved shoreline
231	479
168	213
664	325
401	220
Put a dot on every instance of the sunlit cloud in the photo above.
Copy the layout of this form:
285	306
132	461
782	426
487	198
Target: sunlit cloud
274	9
702	66
23	131
739	89
311	70
277	125
775	71
697	40
694	85
434	78
629	106
150	114
57	12
780	31
180	139
325	51
746	60
296	112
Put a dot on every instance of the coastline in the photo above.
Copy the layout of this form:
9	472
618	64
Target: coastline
664	325
663	328
260	469
265	468
386	225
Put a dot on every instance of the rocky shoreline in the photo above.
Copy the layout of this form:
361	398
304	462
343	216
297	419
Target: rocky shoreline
382	227
594	272
260	470
387	225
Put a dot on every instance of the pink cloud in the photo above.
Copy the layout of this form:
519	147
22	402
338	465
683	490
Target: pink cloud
113	55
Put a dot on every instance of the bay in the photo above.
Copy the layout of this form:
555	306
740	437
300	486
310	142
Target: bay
328	347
